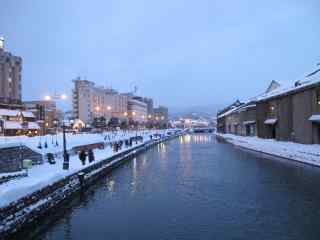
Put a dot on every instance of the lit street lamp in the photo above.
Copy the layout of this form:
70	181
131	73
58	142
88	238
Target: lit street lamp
65	153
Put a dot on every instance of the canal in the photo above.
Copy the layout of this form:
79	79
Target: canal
192	187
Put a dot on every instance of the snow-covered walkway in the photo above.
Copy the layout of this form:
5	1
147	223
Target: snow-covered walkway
45	174
306	153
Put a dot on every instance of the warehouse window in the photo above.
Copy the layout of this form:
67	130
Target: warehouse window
318	96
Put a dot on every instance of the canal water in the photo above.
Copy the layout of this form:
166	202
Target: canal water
193	187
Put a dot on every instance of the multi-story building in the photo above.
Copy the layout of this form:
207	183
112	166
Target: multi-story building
44	112
137	110
119	106
148	101
90	102
10	77
161	114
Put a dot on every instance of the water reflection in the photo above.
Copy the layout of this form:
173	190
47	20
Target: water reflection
196	138
185	139
110	184
186	155
201	138
134	182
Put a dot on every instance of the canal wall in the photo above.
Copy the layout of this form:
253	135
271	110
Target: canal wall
32	207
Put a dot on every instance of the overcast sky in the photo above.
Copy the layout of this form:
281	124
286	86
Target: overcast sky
180	52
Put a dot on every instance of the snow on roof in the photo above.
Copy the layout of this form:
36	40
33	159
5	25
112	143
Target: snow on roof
242	108
307	81
12	125
27	114
227	112
9	112
19	125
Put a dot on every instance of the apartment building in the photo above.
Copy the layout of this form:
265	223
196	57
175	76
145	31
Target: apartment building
137	110
10	77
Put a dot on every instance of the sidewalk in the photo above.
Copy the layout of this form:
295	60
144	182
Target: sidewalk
306	153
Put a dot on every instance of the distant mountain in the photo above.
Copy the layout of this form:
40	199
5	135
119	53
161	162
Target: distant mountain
205	111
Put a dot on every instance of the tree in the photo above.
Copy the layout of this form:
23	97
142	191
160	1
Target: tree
124	124
99	122
114	122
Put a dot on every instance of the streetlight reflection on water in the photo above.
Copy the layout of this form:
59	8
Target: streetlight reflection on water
195	138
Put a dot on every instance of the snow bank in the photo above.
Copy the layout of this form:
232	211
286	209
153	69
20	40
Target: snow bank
306	153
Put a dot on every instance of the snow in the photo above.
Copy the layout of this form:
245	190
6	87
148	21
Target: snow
8	112
47	174
27	114
18	125
247	106
228	112
315	118
12	174
306	82
271	121
306	153
12	125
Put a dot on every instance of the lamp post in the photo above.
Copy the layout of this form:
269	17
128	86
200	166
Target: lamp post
65	153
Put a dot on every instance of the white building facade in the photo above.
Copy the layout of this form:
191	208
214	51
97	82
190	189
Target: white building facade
90	102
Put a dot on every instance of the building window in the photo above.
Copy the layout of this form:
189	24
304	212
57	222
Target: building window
318	96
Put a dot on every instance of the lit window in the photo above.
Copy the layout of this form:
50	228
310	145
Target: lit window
318	97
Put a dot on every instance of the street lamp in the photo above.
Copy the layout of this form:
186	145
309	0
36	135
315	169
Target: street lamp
65	153
47	98
55	96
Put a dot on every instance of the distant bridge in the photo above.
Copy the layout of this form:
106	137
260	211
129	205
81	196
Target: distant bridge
203	130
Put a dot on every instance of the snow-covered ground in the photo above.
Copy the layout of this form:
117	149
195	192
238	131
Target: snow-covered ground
307	153
45	174
72	140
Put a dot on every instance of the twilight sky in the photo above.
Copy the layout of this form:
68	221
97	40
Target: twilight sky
180	52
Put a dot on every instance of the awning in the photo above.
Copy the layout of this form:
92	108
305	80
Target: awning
315	118
271	121
249	122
